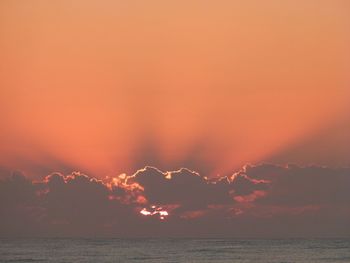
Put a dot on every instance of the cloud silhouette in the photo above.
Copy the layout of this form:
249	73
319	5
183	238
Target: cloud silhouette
183	187
262	200
311	185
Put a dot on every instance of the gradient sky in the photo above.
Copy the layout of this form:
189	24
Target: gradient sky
112	86
182	118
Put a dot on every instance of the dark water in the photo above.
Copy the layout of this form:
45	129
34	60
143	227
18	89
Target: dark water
174	250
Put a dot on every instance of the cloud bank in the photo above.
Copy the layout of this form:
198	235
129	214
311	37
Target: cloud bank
258	201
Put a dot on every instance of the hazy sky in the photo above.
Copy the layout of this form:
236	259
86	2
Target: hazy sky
112	86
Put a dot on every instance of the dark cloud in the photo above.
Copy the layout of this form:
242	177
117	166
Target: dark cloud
311	185
263	201
183	187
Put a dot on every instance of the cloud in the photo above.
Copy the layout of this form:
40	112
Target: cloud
183	187
312	185
262	200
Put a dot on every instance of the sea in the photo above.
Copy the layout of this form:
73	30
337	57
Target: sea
173	250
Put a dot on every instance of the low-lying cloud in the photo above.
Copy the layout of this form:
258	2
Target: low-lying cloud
258	201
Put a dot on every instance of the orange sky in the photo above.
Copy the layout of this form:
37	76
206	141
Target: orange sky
110	86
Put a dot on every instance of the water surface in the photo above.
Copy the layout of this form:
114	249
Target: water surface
174	250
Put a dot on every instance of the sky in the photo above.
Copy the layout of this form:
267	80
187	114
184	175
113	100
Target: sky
109	87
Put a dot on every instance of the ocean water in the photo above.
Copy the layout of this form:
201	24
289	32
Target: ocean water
174	250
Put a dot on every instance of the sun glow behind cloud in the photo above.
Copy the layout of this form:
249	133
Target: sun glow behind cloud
262	201
154	210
